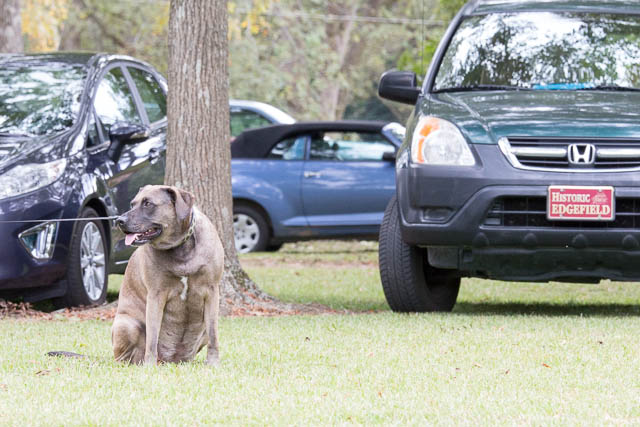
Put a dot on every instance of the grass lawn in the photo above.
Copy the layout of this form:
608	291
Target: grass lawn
509	354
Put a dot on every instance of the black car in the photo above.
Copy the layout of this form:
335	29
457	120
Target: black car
522	154
79	134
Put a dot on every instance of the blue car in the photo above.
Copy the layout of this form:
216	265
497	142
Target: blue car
312	180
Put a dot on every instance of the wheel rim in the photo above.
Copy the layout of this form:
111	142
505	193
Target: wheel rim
245	232
92	261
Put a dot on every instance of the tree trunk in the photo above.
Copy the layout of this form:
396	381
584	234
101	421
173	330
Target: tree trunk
10	27
198	150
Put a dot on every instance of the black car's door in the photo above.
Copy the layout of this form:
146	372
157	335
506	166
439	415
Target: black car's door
117	100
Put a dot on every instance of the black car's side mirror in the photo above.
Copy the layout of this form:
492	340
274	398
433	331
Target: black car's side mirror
400	86
128	133
389	156
125	133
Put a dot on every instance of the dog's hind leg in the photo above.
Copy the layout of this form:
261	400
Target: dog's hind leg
128	338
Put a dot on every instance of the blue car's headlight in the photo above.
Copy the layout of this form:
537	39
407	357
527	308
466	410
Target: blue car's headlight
439	142
25	178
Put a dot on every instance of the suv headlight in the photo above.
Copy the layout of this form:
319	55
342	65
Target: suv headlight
25	178
439	142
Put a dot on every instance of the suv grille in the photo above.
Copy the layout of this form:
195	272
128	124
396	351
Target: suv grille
532	212
570	154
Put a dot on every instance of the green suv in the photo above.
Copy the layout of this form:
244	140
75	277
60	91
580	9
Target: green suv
521	160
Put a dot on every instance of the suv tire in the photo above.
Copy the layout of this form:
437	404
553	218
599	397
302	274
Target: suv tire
408	281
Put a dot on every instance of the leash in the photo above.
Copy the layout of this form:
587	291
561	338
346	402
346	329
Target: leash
27	221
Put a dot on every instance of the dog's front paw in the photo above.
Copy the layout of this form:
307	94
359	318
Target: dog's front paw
213	359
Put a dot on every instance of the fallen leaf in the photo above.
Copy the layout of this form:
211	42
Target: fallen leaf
545	365
506	372
43	372
4	387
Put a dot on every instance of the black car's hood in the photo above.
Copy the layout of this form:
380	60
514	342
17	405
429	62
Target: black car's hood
39	149
487	116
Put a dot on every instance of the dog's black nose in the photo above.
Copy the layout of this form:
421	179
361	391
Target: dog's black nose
120	221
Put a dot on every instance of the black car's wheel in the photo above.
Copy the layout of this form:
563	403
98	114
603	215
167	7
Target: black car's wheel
87	276
250	229
409	282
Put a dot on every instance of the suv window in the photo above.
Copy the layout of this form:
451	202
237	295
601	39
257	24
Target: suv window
153	97
242	120
289	149
114	101
349	146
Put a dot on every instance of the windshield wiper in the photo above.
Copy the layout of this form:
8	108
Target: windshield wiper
612	87
479	87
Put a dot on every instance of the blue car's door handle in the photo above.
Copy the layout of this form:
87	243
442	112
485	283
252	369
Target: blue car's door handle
308	174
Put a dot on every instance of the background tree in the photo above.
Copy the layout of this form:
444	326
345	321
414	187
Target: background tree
198	153
10	27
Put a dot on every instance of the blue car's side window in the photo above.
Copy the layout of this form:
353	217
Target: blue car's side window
349	146
289	149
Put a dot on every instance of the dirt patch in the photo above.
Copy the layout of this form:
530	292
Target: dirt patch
22	310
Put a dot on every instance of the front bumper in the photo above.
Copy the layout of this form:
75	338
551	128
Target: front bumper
451	211
18	269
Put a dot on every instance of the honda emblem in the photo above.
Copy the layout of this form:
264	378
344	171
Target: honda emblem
581	154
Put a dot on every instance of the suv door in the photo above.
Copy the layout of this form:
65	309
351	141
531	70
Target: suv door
346	182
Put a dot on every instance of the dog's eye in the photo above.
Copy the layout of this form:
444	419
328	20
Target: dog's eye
147	204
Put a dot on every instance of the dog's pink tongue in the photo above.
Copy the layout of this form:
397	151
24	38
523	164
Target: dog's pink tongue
129	238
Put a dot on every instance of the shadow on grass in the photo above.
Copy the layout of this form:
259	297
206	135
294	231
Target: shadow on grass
547	309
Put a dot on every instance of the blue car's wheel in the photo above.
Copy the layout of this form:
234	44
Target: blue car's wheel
408	281
250	230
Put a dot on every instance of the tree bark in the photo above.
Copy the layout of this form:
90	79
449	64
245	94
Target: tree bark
10	27
198	150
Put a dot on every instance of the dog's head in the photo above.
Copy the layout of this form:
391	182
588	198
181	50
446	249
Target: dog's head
160	215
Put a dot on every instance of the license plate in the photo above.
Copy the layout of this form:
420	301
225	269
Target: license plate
571	202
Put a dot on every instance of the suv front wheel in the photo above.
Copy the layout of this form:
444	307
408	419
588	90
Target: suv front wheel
408	281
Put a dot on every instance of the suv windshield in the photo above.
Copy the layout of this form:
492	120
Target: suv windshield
38	100
543	50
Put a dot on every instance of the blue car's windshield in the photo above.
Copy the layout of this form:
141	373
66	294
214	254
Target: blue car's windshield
39	100
543	51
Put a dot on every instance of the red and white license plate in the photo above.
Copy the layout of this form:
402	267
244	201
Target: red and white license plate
570	202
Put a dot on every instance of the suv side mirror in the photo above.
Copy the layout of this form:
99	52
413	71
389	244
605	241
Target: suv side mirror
400	86
128	132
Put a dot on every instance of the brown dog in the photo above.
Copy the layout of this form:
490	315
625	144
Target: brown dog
169	299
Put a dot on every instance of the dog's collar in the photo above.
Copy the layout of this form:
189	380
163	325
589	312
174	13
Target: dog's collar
192	229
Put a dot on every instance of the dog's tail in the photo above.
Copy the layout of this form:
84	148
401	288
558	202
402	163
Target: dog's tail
66	354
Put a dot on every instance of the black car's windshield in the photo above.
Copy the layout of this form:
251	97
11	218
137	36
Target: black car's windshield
39	99
544	51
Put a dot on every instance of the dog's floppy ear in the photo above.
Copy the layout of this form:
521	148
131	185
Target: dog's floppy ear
183	202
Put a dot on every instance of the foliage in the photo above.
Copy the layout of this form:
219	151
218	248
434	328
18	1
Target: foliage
312	63
132	27
418	61
41	23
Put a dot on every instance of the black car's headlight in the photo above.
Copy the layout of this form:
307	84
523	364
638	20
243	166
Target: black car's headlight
439	142
22	179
